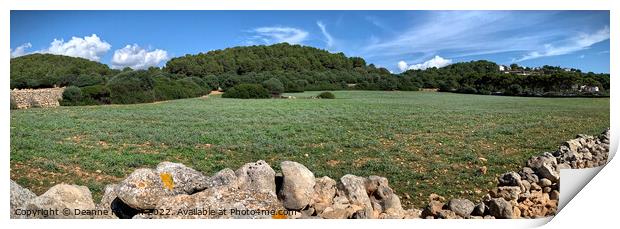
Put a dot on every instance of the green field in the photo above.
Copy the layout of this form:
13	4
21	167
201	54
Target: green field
423	142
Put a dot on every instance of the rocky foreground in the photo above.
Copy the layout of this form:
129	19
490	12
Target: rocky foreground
255	190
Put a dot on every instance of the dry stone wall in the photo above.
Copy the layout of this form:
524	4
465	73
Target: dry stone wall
255	190
27	98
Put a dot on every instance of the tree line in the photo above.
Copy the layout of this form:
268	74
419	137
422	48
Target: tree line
296	68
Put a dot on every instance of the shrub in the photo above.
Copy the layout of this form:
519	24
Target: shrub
96	94
82	80
132	87
202	83
167	89
514	89
71	96
274	86
247	91
296	86
468	90
326	95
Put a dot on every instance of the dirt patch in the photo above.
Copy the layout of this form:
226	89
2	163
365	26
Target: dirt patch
333	163
39	179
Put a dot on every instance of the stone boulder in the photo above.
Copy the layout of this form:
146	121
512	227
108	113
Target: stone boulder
67	199
355	190
109	195
142	189
297	186
462	207
18	197
509	179
324	193
225	177
257	176
500	208
185	180
545	166
383	198
220	202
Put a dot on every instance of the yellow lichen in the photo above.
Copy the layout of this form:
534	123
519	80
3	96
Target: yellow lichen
166	179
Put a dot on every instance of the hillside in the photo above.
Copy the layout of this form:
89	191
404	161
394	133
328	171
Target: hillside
298	67
303	68
47	70
485	77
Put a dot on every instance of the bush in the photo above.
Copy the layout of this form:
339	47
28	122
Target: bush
468	90
96	94
167	89
514	89
326	95
274	86
71	96
82	80
132	87
247	91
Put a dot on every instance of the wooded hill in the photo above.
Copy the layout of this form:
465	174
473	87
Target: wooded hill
298	68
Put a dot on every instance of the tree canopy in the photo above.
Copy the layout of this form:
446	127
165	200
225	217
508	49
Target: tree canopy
48	70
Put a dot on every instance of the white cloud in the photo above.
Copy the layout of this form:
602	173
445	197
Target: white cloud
436	62
328	37
20	50
135	57
402	65
581	42
272	35
89	47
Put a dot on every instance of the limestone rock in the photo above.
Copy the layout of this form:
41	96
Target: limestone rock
257	176
479	209
142	189
19	196
500	208
510	179
383	198
109	194
212	203
324	193
185	180
298	185
222	178
462	207
61	197
545	166
355	190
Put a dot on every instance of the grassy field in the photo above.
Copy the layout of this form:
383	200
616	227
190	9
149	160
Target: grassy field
423	142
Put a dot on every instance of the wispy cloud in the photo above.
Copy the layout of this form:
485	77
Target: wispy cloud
459	34
328	37
574	44
20	50
277	34
378	23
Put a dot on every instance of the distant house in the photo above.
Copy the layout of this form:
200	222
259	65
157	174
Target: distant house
586	88
504	68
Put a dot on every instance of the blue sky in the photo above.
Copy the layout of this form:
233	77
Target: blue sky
397	40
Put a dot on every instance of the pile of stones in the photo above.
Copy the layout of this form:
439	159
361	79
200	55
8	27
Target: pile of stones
172	190
45	98
532	192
